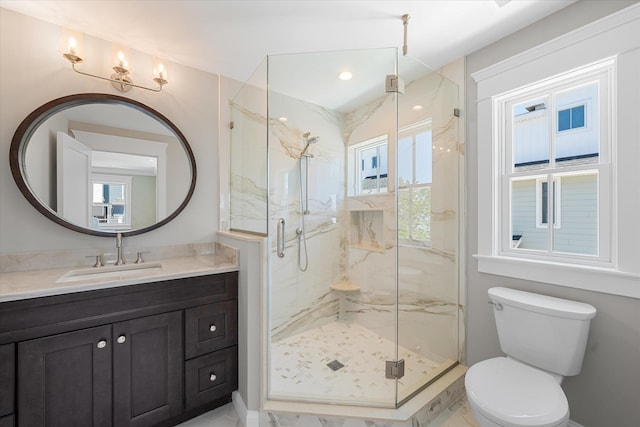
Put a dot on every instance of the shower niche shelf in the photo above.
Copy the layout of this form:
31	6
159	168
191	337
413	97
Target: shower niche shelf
366	229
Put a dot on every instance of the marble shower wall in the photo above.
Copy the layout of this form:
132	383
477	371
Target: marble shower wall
428	290
303	300
428	276
248	152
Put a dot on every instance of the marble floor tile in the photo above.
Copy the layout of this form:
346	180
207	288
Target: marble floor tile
302	366
457	415
224	416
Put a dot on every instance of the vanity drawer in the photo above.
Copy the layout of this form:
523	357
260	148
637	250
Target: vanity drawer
210	327
211	376
7	381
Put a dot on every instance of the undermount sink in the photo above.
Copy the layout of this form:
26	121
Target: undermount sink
96	273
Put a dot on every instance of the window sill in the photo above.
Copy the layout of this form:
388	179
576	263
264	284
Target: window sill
596	279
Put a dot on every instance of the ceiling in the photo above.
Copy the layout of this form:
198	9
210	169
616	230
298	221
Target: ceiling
233	37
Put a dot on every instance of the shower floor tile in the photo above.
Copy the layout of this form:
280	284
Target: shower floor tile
302	366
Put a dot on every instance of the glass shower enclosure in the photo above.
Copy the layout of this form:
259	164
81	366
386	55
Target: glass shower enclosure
355	183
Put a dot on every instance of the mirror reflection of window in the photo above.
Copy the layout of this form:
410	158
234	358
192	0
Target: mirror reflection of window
111	202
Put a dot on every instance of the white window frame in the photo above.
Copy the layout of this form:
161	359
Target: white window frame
355	154
502	105
605	40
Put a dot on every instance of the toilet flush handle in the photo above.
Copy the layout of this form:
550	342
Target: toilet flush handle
496	305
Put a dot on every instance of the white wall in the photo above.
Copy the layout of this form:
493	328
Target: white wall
33	72
606	391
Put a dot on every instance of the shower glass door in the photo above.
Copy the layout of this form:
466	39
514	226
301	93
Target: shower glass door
358	179
427	159
332	313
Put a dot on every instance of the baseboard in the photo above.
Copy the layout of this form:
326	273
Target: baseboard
573	424
247	417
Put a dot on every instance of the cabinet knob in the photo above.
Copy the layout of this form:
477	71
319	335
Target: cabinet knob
212	377
101	344
121	339
212	328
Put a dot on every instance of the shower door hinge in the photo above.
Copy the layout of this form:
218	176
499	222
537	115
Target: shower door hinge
394	370
393	83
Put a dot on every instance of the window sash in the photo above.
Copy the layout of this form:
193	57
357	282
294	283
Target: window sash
503	107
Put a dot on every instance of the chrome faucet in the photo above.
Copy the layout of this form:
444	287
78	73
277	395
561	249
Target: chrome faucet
119	260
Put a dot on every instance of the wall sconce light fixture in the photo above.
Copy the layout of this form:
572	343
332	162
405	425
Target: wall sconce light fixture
120	79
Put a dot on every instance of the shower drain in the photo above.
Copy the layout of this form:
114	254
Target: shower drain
335	365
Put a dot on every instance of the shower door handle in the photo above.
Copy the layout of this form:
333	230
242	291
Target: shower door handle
280	238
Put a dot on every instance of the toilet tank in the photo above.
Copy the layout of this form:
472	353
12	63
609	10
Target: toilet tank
546	332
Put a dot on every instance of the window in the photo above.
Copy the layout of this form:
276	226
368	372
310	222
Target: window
414	183
577	163
609	171
111	204
571	118
542	202
372	157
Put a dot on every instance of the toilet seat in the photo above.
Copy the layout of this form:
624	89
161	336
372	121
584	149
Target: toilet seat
511	393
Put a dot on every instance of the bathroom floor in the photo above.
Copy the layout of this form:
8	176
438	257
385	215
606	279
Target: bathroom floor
457	415
344	362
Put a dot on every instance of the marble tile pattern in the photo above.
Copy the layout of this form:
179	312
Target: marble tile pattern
457	414
299	366
449	410
176	261
28	261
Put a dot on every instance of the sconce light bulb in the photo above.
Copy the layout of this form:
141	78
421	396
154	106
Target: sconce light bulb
122	60
73	46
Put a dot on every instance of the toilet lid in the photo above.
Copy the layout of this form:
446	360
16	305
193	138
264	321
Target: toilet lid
509	392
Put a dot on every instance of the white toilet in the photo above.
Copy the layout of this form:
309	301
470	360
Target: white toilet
545	340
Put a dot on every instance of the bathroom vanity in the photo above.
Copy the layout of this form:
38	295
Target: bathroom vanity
156	352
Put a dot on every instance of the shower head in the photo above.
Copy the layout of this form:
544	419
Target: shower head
308	141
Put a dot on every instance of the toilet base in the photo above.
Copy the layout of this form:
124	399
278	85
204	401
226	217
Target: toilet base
486	422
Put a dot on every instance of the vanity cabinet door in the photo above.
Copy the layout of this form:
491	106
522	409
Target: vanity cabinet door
7	380
147	370
65	380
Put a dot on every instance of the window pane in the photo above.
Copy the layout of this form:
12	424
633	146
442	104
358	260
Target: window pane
405	161
581	146
421	220
414	213
530	135
577	117
578	230
525	231
564	120
404	213
544	203
424	153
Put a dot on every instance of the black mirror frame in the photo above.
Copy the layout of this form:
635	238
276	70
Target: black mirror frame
37	117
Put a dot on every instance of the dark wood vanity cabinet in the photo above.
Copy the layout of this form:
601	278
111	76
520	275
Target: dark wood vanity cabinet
139	355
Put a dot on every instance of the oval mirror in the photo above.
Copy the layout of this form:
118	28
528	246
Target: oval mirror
102	164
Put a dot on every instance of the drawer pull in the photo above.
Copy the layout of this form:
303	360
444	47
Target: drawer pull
121	339
212	328
101	344
212	377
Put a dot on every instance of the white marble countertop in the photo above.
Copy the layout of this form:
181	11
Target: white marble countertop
38	283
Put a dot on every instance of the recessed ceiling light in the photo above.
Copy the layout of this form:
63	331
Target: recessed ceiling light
417	107
283	119
345	75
